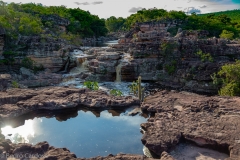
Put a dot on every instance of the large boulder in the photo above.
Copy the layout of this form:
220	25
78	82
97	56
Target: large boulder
26	72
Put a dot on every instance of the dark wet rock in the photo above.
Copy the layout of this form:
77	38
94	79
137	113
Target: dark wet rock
16	102
4	81
212	122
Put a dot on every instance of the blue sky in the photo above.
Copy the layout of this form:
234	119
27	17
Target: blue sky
123	8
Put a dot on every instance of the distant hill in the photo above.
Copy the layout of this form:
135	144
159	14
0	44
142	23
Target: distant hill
233	14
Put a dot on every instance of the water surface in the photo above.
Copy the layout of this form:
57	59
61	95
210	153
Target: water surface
89	134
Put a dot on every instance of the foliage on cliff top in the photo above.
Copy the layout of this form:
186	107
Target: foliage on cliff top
228	78
30	19
214	23
233	14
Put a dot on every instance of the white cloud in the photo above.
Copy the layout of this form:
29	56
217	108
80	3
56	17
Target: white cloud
134	9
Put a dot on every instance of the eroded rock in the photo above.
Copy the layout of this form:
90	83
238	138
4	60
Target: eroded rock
207	121
16	102
4	81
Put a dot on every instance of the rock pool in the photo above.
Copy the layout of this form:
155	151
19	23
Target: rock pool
88	134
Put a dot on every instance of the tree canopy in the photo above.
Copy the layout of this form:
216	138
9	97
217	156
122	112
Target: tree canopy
219	24
28	19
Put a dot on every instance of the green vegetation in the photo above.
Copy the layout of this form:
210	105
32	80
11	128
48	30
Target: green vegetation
220	23
15	84
9	57
137	89
34	19
167	49
114	24
133	87
30	64
228	78
91	85
227	34
116	92
233	14
170	68
204	56
155	14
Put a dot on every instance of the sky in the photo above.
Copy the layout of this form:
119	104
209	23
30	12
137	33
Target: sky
124	8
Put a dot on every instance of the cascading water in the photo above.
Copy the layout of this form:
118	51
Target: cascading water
124	61
81	62
66	66
118	72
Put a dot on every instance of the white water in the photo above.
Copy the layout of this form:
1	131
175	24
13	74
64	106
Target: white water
81	62
118	72
124	61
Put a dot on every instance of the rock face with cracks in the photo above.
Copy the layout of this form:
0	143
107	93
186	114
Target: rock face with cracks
212	122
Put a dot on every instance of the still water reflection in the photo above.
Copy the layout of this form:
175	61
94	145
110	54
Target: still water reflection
88	134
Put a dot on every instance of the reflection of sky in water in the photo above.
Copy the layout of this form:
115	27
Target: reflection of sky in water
84	135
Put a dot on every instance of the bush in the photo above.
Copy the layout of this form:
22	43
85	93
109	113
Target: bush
204	56
91	85
27	63
116	92
134	87
228	78
227	34
30	64
15	84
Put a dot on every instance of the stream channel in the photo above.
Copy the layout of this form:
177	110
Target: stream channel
85	133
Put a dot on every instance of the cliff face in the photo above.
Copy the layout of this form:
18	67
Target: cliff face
185	61
44	49
51	53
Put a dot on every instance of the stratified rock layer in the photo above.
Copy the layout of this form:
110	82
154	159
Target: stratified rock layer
16	102
208	121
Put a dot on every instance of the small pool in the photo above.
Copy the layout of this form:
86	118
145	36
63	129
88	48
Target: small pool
88	134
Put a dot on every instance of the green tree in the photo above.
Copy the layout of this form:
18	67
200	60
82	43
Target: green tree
229	78
227	34
114	24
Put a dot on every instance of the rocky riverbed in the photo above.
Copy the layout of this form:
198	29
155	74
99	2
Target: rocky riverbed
178	117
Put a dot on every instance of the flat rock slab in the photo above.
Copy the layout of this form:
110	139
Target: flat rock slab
16	102
43	151
208	121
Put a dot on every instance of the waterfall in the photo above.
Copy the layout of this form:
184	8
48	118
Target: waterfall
124	61
118	72
81	64
81	61
66	66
